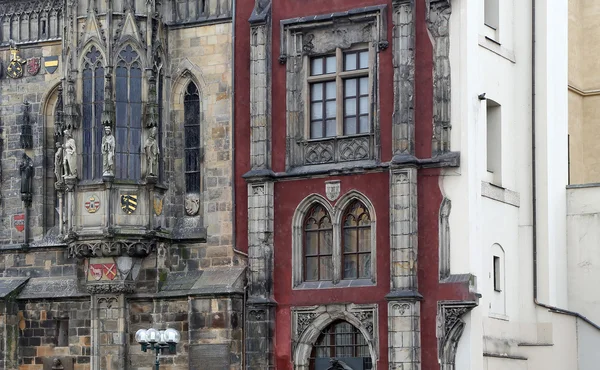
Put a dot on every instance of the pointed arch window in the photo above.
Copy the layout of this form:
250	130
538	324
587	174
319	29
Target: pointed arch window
193	150
344	343
129	114
93	103
334	246
318	245
356	240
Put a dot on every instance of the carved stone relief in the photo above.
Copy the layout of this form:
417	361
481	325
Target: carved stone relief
450	327
192	204
111	248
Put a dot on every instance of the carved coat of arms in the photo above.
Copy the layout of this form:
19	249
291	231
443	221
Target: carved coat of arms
33	66
332	189
192	204
158	206
93	204
19	222
129	203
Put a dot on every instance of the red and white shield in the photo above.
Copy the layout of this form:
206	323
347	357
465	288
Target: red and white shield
33	66
19	222
110	270
96	271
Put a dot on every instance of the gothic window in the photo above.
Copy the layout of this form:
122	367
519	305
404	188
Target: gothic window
193	155
93	101
356	239
334	246
160	124
129	114
190	10
318	245
343	343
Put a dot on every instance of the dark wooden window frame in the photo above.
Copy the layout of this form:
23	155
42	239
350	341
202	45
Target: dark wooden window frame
328	341
320	231
357	252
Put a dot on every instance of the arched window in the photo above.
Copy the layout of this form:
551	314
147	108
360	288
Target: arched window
193	155
129	114
356	239
318	245
93	102
343	342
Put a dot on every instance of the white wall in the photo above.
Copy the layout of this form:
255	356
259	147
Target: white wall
483	215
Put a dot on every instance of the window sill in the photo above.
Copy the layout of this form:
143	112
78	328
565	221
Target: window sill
353	283
495	47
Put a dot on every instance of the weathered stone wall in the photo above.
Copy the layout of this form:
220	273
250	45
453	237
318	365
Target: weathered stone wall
37	327
203	55
13	93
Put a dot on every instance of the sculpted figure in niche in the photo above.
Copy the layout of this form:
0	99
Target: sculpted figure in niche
69	156
108	152
152	151
26	171
58	162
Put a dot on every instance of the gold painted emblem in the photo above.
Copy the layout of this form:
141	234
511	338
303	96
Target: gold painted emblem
93	204
15	67
158	206
129	203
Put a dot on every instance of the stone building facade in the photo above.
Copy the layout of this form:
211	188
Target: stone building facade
341	148
116	184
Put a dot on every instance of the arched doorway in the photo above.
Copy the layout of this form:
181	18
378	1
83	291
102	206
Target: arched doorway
341	345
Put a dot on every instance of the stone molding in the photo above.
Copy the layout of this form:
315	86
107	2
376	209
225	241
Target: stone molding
403	48
309	321
438	18
404	321
444	242
450	327
404	229
81	249
322	34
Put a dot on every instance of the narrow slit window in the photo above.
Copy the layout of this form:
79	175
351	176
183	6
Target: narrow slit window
497	274
193	154
62	333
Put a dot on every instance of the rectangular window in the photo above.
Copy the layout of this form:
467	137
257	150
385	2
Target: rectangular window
491	13
343	77
497	275
494	142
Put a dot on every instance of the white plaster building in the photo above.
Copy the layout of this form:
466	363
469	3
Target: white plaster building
530	241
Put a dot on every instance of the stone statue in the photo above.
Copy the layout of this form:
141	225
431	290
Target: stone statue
58	162
69	156
152	151
26	171
108	152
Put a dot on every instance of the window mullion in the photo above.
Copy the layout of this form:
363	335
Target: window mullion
339	84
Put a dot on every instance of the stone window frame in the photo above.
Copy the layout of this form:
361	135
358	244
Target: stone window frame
95	156
308	322
330	33
336	213
185	73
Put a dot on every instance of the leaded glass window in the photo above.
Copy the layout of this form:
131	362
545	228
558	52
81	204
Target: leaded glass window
318	245
129	114
193	155
356	240
93	101
342	341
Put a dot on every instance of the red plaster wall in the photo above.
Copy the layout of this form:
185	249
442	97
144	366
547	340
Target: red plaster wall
288	194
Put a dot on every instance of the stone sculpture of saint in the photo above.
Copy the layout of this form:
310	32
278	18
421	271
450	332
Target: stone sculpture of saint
69	156
152	151
108	152
26	171
58	162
